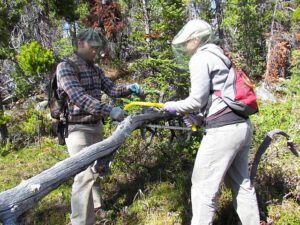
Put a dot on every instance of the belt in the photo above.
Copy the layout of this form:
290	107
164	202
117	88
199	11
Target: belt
225	119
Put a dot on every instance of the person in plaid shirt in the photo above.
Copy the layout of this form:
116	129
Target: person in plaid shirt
83	82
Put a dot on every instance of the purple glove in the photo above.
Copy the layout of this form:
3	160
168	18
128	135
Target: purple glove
191	119
170	107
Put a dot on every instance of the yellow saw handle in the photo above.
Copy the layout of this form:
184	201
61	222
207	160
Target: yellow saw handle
148	104
194	127
151	104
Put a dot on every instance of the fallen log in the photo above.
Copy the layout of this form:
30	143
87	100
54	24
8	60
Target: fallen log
15	202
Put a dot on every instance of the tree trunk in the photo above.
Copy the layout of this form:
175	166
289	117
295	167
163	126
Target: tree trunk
73	33
270	46
219	16
193	10
18	200
3	128
146	19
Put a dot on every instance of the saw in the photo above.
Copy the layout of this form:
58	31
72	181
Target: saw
160	106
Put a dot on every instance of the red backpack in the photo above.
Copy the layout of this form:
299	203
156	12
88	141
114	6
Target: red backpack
238	92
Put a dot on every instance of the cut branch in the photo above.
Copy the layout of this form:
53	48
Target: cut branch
15	202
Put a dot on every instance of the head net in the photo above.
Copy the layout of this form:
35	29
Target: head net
191	30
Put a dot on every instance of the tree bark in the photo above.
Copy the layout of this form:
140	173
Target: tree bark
146	19
219	17
193	10
270	45
15	202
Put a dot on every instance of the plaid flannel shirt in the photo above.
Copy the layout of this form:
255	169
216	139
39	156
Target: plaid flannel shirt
84	95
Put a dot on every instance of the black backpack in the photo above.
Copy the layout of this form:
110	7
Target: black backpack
58	105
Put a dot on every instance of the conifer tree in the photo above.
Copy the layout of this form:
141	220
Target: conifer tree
155	25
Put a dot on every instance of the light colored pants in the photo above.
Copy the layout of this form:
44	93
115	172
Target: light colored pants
223	156
85	192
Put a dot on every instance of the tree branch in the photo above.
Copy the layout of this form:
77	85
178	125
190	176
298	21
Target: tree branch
18	200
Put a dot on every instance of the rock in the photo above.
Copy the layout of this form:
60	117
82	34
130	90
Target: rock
264	94
41	105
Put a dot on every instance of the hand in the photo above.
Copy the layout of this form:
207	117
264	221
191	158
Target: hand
117	114
192	119
170	107
135	89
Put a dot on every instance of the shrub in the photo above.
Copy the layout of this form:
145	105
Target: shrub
296	15
34	60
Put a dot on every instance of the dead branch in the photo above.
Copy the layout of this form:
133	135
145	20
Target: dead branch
15	202
263	147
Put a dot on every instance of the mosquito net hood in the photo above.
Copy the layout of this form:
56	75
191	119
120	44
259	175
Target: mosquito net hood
194	29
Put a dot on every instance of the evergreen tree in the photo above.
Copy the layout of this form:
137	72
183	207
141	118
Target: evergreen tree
154	26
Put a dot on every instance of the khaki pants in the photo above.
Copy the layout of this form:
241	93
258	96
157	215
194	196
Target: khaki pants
223	156
85	192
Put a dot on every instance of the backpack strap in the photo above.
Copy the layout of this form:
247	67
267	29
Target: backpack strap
218	93
231	64
65	99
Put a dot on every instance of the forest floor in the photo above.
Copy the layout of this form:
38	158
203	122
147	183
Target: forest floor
152	185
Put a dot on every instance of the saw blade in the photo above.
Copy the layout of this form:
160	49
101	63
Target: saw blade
168	127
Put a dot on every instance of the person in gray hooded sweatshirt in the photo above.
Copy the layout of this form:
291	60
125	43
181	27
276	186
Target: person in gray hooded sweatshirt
223	153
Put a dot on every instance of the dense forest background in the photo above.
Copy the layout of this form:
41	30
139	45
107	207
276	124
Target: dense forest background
149	184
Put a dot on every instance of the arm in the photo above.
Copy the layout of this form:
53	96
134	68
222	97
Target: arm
200	87
69	82
110	88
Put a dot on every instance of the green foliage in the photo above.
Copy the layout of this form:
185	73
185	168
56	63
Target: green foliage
10	12
62	9
64	47
157	64
275	116
294	82
296	15
162	205
35	123
4	119
29	161
23	87
286	213
295	62
6	148
35	60
244	23
205	9
27	125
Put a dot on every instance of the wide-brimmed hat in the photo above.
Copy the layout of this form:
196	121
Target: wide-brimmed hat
193	29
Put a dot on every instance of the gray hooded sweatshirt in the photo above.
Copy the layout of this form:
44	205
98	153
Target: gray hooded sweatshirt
209	68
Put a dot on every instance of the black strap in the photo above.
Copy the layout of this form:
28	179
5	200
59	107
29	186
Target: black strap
66	109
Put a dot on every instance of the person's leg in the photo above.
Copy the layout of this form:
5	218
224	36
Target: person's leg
215	155
237	178
98	136
82	203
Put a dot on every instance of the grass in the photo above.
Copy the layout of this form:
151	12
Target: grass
27	162
152	185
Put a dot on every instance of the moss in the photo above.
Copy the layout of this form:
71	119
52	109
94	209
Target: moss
29	161
288	212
